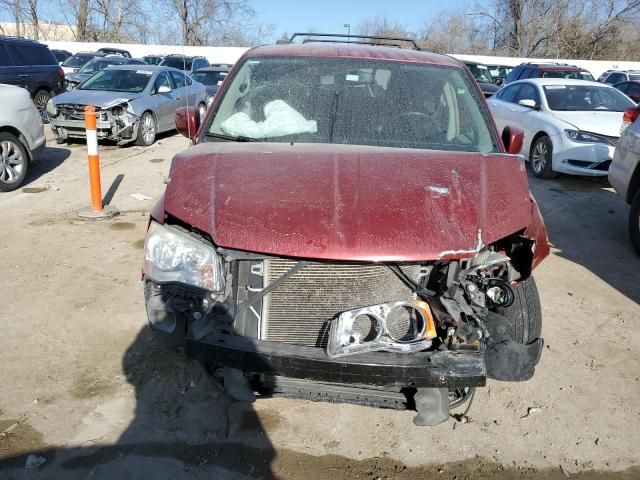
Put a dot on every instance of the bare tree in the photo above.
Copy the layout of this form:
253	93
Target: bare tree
204	22
383	27
453	31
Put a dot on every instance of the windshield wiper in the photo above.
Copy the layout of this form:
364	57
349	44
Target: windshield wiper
239	138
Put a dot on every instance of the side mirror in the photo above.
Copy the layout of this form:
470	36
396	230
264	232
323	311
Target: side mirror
527	102
187	121
164	89
512	139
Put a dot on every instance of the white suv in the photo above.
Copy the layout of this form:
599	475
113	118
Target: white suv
21	136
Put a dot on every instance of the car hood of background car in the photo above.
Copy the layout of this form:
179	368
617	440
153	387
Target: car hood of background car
343	202
599	121
99	98
78	77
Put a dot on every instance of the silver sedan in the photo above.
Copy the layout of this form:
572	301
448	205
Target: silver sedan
134	103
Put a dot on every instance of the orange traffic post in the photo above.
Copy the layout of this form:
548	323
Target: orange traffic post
96	211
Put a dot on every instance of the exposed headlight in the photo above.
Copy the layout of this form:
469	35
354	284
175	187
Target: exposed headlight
403	327
52	110
171	255
585	137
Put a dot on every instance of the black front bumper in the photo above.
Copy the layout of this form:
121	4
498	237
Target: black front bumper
425	369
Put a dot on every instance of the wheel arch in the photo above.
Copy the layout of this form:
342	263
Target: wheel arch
634	184
540	133
41	86
21	138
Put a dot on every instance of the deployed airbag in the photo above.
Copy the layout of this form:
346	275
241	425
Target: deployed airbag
280	120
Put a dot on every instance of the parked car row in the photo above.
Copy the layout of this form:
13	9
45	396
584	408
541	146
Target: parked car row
135	103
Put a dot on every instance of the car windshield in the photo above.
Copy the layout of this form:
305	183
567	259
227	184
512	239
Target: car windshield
151	60
570	74
179	63
209	78
481	73
355	102
97	65
586	98
499	71
133	81
76	61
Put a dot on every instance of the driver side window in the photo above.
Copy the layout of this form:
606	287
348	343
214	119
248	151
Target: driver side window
161	80
510	93
528	92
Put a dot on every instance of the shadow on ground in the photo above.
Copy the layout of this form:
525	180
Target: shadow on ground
183	424
587	224
47	161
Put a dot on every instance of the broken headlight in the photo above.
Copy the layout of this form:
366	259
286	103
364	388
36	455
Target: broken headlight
171	255
52	110
403	327
123	114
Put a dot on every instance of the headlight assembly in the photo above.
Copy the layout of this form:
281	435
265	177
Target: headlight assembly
171	255
585	137
52	110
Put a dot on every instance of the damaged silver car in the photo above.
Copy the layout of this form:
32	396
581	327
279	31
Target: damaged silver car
134	103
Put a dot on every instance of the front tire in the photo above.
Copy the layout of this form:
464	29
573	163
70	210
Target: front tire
524	316
634	222
147	130
14	162
541	158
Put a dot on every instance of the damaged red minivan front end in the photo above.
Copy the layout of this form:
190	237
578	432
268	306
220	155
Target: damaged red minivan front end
349	227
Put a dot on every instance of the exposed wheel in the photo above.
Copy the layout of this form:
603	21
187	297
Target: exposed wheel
14	162
634	222
541	155
40	99
147	129
524	316
202	111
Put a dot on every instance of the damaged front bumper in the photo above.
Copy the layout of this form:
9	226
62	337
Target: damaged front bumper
424	369
122	128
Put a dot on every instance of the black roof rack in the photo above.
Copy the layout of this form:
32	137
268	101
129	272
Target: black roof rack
343	38
355	42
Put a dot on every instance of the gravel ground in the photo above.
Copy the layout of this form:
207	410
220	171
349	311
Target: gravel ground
86	388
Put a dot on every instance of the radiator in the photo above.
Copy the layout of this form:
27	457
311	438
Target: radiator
299	310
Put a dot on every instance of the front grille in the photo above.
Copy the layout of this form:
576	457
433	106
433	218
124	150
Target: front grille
611	140
72	112
300	309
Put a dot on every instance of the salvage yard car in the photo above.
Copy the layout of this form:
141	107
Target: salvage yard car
134	102
624	174
349	227
570	126
21	136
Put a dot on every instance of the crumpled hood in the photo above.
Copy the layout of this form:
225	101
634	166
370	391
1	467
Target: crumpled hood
602	122
98	98
348	202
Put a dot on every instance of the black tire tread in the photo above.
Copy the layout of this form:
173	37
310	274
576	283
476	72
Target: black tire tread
525	314
548	172
634	223
139	141
9	136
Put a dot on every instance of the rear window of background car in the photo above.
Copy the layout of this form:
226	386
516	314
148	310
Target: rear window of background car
31	55
5	59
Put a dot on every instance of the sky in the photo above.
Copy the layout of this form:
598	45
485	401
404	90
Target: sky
329	16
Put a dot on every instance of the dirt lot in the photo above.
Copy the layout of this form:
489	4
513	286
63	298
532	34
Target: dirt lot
85	386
